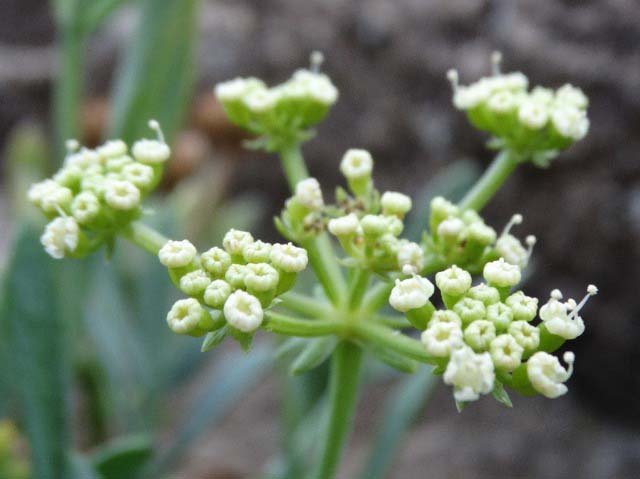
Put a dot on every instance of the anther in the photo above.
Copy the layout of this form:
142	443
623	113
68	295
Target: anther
155	126
452	76
316	59
592	290
496	61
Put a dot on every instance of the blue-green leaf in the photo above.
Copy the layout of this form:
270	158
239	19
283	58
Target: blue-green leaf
123	457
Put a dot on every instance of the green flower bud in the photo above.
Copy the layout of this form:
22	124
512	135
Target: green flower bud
525	334
235	275
357	166
396	204
453	281
469	310
547	375
243	311
501	274
445	316
217	293
195	282
524	307
85	207
441	339
112	149
260	277
257	252
487	294
187	316
121	195
479	334
500	314
235	241
216	261
506	353
177	254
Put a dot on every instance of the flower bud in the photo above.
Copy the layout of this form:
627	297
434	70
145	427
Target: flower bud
445	316
501	274
441	209
217	293
506	353
410	254
357	166
309	194
441	339
61	237
487	294
257	252
177	254
112	149
526	335
235	241
243	311
289	258
121	195
140	175
374	225
235	275
500	314
510	248
412	293
85	207
195	282
469	310
216	261
523	307
117	163
346	226
187	316
396	204
453	281
479	334
260	277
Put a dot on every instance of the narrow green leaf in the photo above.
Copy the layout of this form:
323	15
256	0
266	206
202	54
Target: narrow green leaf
313	355
95	12
38	361
401	410
123	457
212	339
230	381
500	394
460	405
156	77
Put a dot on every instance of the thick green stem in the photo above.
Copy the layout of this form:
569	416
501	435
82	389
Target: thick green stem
358	288
388	338
289	326
490	181
67	95
305	305
343	388
144	236
293	165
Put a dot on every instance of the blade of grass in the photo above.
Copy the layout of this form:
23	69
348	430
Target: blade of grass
156	76
36	338
401	410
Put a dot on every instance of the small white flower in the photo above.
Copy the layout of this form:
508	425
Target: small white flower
186	316
151	152
500	314
322	90
344	226
510	248
502	102
38	190
289	258
441	339
309	194
445	316
572	96
60	237
410	254
506	352
195	282
235	241
177	254
570	122
547	375
543	96
138	174
374	225
217	293
95	183
412	293
526	335
479	334
121	195
49	196
243	311
394	203
453	281
524	307
559	321
468	97
257	252
443	208
533	114
470	374
469	310
117	163
485	293
260	100
83	159
356	164
481	233
450	228
261	277
235	275
69	175
85	207
216	261
112	149
501	274
234	90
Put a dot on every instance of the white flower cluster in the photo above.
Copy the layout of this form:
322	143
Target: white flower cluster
526	121
486	330
297	104
463	238
97	191
239	279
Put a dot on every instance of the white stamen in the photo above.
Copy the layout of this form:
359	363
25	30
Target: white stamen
531	242
556	294
72	145
452	76
496	61
515	220
316	59
592	290
155	126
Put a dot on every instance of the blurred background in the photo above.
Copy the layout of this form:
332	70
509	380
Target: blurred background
101	373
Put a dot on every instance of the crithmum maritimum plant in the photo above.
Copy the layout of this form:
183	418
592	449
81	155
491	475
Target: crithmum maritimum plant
483	336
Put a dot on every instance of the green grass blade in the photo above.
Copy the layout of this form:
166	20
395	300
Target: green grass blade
123	457
36	338
156	77
401	410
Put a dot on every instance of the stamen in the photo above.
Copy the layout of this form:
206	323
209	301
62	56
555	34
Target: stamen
60	211
496	61
155	126
556	294
452	76
72	145
409	270
569	358
316	59
515	220
571	304
531	242
592	290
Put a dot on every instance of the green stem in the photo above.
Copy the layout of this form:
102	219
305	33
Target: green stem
321	254
377	297
144	236
343	389
305	305
289	326
358	288
393	321
67	96
490	181
388	338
